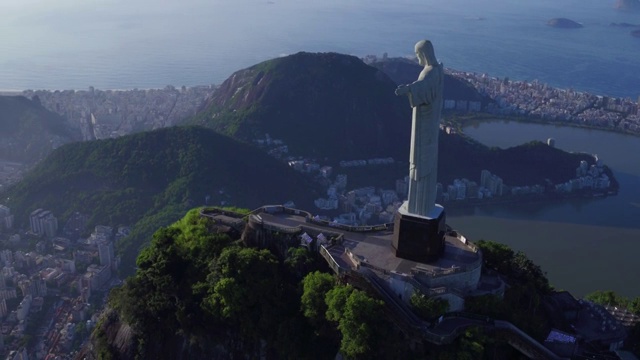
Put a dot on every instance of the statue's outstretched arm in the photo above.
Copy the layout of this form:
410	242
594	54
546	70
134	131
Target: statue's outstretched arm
403	90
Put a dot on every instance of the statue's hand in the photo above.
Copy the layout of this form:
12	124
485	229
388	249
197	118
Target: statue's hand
403	90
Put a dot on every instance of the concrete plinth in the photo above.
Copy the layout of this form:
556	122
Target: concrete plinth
419	238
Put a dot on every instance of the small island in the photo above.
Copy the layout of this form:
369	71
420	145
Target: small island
636	33
564	23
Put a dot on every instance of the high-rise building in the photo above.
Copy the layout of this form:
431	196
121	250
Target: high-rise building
34	221
6	257
461	189
8	293
43	222
38	285
50	226
3	307
472	190
6	218
97	276
495	185
105	252
4	211
485	175
100	234
23	309
8	222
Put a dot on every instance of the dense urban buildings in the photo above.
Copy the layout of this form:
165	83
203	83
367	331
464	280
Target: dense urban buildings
49	297
101	114
537	100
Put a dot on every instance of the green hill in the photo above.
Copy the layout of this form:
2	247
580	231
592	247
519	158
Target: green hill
335	107
148	180
527	164
462	157
28	131
328	105
207	296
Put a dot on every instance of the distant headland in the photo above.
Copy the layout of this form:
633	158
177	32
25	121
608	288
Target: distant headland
564	23
628	5
624	24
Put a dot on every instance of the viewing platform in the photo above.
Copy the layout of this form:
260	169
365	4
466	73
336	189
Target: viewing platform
350	248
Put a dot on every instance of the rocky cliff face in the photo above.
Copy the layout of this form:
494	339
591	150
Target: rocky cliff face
112	336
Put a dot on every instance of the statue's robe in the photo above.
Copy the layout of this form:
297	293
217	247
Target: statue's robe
426	98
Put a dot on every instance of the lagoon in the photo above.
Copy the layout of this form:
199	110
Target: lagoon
584	245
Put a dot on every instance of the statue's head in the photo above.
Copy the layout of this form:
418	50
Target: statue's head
425	53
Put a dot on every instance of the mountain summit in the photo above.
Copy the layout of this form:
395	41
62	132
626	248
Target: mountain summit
347	108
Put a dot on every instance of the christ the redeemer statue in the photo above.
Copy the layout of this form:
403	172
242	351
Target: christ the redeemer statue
426	99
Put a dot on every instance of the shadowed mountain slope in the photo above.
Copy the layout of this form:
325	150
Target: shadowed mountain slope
405	71
28	131
526	164
328	105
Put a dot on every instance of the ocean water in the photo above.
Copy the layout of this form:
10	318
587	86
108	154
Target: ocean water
147	44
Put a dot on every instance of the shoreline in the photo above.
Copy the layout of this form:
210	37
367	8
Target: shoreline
528	199
463	120
11	92
16	92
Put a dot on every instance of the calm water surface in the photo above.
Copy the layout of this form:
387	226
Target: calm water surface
147	43
583	244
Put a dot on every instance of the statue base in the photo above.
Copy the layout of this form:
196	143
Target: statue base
419	238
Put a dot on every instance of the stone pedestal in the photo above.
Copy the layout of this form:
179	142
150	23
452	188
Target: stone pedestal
419	238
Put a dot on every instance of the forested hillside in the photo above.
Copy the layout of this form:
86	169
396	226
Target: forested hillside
150	179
